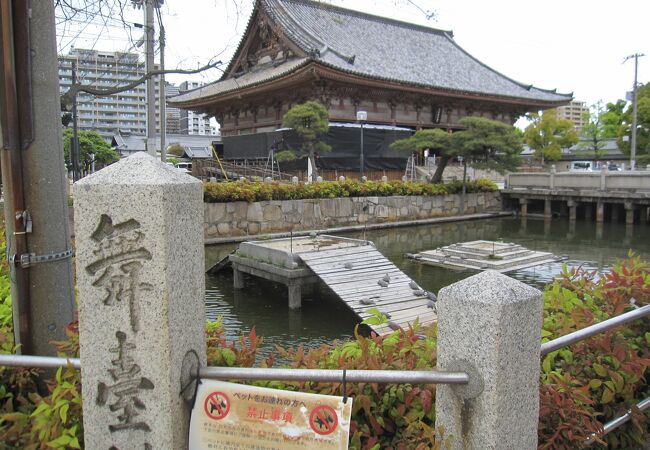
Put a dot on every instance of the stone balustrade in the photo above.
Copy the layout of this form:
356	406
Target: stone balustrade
603	180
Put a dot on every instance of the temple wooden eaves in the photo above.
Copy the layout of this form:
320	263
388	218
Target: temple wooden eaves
400	73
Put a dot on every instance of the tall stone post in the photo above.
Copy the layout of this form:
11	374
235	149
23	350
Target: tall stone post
295	295
548	210
489	325
140	273
551	180
237	277
573	207
600	212
629	213
524	206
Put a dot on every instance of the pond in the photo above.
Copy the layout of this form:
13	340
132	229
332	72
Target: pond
323	318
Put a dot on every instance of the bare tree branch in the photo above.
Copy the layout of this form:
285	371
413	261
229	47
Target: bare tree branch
68	96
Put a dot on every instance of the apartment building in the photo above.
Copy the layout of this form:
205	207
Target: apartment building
173	114
191	122
575	112
107	114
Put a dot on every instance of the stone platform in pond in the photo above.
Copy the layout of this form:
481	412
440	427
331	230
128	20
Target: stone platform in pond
484	255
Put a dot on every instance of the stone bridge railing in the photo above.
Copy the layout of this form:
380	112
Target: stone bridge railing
603	180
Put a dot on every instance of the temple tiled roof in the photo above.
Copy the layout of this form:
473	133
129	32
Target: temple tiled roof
378	48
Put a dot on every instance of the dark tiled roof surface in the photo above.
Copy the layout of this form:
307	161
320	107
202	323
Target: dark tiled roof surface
377	48
248	79
388	49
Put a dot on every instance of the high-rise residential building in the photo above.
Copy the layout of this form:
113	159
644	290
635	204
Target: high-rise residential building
126	111
191	122
576	112
173	114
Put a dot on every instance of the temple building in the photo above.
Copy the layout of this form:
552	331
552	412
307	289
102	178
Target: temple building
405	76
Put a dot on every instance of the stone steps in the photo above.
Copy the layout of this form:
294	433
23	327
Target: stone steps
484	255
464	254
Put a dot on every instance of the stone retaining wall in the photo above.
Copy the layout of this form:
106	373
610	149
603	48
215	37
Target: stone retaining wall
243	218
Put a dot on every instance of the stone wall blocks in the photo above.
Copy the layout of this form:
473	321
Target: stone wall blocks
253	228
223	228
255	212
321	213
328	207
381	211
345	208
272	212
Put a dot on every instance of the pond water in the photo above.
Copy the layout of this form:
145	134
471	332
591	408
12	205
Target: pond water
323	318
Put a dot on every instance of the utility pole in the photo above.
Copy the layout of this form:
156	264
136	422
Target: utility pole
636	57
163	99
74	144
149	66
33	175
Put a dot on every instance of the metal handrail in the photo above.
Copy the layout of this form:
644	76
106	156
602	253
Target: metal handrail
336	375
253	373
614	424
588	332
40	362
592	330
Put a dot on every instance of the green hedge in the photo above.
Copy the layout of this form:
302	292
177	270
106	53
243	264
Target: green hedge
235	191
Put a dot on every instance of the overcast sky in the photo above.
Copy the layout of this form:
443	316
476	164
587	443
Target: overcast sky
571	45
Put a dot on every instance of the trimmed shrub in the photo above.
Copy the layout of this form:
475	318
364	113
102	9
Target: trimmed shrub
236	191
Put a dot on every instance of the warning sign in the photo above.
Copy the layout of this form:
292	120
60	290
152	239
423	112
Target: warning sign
323	420
217	405
235	416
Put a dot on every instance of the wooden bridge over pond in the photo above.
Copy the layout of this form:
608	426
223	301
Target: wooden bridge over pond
354	270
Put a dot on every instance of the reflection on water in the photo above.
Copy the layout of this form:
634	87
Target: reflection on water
323	317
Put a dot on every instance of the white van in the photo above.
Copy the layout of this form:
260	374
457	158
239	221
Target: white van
185	167
581	166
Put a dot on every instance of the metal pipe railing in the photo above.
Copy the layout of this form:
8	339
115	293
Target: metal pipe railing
588	332
614	424
40	362
336	376
252	373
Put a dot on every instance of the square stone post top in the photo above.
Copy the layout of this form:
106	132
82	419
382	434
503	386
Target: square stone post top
489	325
140	274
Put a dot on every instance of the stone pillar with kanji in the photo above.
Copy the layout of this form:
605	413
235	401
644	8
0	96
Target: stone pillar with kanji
140	274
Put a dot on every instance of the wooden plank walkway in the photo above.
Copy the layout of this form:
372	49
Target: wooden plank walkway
353	274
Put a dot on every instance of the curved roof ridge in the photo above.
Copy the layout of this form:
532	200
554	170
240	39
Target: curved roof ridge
321	46
518	83
320	43
373	17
